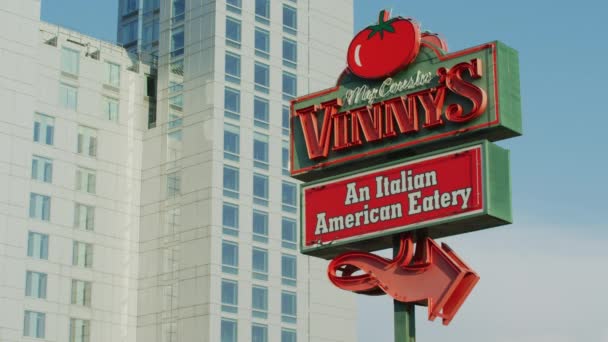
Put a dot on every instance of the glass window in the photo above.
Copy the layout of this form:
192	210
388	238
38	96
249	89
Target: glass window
82	254
289	233
285	120
290	53
231	142
228	330
260	150
84	216
86	180
70	61
234	6
288	335
290	19
260	226
177	101
175	120
150	5
177	67
288	307
230	219
259	263
260	189
230	257
232	103
259	301
262	42
87	141
262	11
174	145
40	207
113	74
129	32
233	68
44	128
130	6
80	330
68	96
290	86
179	10
285	157
81	292
289	198
42	169
177	41
110	108
231	182
261	77
175	87
38	245
35	284
230	296
34	324
259	333
233	32
289	269
261	110
174	180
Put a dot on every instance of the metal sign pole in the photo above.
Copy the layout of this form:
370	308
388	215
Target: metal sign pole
405	322
404	313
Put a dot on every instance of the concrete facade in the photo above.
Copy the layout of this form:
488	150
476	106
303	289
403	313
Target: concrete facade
159	176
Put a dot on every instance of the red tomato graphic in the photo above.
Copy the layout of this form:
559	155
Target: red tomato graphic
381	50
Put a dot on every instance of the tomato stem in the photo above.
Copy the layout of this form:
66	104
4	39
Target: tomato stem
383	25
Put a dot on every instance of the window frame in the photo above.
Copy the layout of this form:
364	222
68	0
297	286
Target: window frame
261	51
230	76
261	70
232	305
234	133
289	203
233	41
259	268
68	96
44	129
227	266
70	61
260	198
230	228
231	181
82	250
40	280
44	213
37	245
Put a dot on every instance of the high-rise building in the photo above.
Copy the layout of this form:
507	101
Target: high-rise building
145	189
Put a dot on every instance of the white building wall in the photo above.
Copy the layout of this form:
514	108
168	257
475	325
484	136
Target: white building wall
157	272
30	77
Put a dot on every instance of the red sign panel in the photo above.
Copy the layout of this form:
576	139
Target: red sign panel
379	202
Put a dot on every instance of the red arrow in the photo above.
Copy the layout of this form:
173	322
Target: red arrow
435	276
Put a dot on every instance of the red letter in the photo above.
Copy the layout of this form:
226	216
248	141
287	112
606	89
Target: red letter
340	131
468	90
433	106
370	123
404	110
317	144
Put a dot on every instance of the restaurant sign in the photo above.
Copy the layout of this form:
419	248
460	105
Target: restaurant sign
436	100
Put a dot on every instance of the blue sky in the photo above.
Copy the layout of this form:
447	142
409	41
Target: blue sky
543	278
